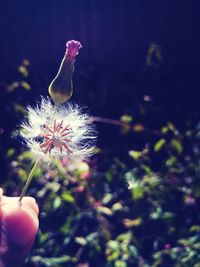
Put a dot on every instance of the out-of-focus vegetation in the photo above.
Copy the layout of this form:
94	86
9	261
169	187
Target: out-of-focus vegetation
140	210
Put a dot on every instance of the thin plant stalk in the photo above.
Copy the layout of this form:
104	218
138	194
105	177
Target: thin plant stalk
30	177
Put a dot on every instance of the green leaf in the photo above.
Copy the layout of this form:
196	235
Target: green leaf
25	85
23	70
171	126
107	198
80	240
137	192
146	168
159	144
135	154
25	155
170	161
126	118
91	237
177	146
195	228
113	244
164	130
133	251
117	206
156	214
128	223
105	210
57	202
22	174
52	262
10	152
120	263
67	197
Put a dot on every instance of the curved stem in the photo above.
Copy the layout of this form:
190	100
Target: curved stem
107	120
31	174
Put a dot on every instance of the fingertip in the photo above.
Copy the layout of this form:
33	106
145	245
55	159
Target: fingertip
27	201
20	223
31	203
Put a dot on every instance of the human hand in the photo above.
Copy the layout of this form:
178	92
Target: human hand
18	228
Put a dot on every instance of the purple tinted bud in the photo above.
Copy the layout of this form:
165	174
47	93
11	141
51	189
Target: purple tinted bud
61	88
72	49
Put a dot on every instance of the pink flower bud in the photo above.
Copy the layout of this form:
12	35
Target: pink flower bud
72	49
61	88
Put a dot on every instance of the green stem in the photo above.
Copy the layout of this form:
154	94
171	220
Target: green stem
31	174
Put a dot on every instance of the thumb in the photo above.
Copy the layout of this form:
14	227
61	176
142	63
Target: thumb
19	226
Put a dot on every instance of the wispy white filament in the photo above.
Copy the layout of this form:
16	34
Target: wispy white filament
82	134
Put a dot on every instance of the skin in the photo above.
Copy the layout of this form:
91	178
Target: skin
18	228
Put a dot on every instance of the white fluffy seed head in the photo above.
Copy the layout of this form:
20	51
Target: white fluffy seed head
80	137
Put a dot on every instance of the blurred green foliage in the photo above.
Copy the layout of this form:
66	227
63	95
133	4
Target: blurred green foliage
123	214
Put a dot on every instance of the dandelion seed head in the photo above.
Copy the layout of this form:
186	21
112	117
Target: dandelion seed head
52	132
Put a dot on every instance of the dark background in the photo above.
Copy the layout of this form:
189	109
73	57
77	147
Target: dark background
111	76
116	73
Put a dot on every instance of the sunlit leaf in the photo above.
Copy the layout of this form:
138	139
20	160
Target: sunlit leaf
171	161
80	240
159	144
134	252
135	154
117	206
53	261
22	174
43	237
25	155
128	223
177	146
23	70
171	126
195	228
67	197
113	244
10	152
156	214
107	198
120	263
137	192
57	202
126	237
164	130
126	118
138	128
105	210
91	236
25	85
146	168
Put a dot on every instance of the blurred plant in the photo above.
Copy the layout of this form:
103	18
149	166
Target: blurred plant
22	83
103	223
139	211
